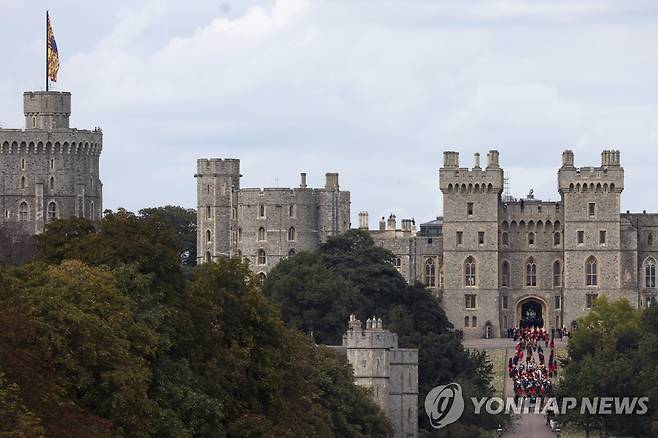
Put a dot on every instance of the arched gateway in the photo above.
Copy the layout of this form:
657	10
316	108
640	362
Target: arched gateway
531	311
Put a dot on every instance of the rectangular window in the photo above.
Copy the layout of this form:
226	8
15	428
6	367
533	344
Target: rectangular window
504	302
581	237
481	238
208	212
291	210
261	211
590	300
602	236
460	237
592	209
469	208
469	301
397	262
558	301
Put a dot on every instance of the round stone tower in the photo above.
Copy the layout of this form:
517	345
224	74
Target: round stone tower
48	171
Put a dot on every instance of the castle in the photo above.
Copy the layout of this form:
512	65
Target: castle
391	373
492	260
48	170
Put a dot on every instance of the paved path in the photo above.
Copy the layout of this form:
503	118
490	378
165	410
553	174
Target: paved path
525	425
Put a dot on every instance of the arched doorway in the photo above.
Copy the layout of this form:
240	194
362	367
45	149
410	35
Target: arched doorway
531	312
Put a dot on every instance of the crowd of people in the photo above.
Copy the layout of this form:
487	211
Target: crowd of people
555	333
532	375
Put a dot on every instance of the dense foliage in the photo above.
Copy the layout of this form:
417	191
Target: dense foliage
350	274
107	335
613	353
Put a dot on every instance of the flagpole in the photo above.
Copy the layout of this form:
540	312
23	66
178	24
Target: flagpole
46	50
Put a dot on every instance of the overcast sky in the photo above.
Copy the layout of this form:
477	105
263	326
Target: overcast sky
375	90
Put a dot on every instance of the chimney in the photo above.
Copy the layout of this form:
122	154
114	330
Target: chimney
331	181
363	220
392	222
451	159
303	184
567	158
406	224
476	164
492	159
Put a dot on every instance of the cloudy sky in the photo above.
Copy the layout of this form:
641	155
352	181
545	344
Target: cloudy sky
373	89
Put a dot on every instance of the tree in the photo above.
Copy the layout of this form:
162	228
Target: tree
183	220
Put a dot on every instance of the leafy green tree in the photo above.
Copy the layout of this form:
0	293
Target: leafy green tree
183	220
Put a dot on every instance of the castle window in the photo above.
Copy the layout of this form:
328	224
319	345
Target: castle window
504	303
460	237
262	277
556	238
557	274
291	234
52	211
6	214
602	237
262	258
591	272
469	209
650	240
52	163
504	278
208	189
208	212
208	236
475	321
261	211
505	239
239	234
531	238
397	262
261	234
480	237
466	321
23	212
22	163
650	274
558	302
589	300
234	213
92	211
470	272
592	209
51	183
430	273
291	210
292	252
470	301
22	182
581	237
531	273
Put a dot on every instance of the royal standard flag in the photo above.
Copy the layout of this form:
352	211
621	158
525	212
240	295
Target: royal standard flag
53	54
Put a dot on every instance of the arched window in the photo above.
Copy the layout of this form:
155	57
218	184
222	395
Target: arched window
22	163
475	321
92	211
261	210
505	239
531	238
650	239
591	272
557	274
504	278
470	273
291	234
466	321
291	210
51	183
23	212
262	277
208	212
262	258
531	273
430	273
650	273
52	211
556	238
292	252
261	234
208	236
22	182
239	234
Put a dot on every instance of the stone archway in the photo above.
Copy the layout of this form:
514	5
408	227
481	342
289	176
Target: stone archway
531	311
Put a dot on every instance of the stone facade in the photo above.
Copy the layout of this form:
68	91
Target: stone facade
48	170
390	372
491	254
263	225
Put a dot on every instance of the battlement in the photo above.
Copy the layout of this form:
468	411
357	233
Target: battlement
455	179
217	166
373	337
46	109
608	178
404	356
35	141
